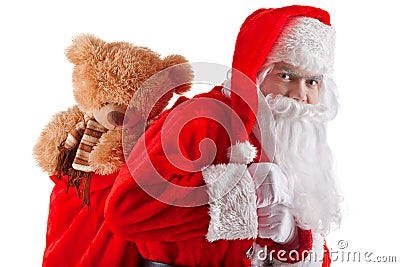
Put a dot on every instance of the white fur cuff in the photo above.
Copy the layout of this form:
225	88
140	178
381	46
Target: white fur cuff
232	202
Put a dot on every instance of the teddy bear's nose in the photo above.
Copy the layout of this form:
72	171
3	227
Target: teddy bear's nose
116	118
111	116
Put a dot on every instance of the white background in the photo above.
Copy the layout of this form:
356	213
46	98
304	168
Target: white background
36	83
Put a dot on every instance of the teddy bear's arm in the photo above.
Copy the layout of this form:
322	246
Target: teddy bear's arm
55	132
108	155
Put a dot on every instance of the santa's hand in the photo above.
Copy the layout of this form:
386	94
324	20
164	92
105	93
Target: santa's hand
271	184
277	223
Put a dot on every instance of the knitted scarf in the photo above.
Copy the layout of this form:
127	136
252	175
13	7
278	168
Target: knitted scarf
73	159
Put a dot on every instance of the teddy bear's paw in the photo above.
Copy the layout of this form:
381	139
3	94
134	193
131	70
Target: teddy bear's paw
53	135
107	156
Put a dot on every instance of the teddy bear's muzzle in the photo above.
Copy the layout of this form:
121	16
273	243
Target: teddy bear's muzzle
111	116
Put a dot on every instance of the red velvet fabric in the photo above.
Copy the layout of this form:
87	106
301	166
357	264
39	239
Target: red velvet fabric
327	257
167	233
78	236
163	232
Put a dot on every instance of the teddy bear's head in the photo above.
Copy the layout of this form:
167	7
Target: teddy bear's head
106	76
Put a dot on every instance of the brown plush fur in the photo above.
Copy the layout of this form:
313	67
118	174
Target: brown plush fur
105	163
112	73
54	133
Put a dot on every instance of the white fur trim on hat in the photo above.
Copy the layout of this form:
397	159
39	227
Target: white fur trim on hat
233	209
242	152
306	43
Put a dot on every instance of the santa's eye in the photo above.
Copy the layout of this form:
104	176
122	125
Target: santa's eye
285	76
313	82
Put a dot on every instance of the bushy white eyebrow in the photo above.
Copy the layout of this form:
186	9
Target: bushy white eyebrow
298	76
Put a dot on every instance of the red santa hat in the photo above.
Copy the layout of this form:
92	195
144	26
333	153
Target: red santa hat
298	35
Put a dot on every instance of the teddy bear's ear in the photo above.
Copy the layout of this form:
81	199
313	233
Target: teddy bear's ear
180	74
84	47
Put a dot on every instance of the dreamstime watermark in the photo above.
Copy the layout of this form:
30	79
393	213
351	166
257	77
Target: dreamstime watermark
341	253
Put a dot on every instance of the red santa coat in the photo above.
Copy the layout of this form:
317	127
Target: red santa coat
142	205
167	233
162	232
78	236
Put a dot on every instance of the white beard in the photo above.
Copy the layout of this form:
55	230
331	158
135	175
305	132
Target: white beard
296	141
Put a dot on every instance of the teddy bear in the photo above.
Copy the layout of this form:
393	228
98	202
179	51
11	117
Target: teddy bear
106	79
85	146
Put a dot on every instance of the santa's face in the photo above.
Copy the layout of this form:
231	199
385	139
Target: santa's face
287	80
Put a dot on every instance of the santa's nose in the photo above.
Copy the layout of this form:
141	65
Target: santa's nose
298	91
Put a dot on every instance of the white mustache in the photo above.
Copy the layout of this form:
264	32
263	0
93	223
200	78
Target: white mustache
286	107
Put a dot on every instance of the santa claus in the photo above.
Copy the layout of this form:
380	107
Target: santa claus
247	180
